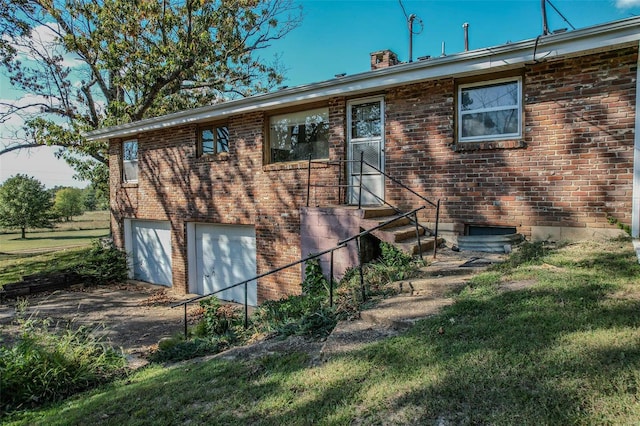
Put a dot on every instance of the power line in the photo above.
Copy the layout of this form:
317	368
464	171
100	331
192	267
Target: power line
561	15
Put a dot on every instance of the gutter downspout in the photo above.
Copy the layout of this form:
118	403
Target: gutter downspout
635	208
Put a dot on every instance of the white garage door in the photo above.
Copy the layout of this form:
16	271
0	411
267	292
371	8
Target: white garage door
226	255
151	252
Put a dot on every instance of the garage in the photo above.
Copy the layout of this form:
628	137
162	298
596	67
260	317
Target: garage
151	251
224	255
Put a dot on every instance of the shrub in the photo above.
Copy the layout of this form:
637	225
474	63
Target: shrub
219	319
43	366
104	263
179	349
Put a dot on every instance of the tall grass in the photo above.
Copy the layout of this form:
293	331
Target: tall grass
44	366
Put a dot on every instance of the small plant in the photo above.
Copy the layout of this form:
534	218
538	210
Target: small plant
219	319
179	349
613	221
527	252
314	281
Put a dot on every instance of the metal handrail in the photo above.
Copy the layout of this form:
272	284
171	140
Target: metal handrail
246	282
361	187
342	162
340	245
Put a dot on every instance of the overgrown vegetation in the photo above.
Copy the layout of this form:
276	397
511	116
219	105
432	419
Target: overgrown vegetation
103	263
44	366
308	314
561	347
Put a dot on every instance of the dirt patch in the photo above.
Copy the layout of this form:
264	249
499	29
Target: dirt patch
129	316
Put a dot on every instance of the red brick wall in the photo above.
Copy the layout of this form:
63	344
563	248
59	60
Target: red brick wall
573	166
175	184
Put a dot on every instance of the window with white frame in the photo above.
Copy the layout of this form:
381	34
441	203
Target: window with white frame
213	139
299	135
130	160
490	110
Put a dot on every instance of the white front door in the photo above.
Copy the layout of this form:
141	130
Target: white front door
365	137
226	255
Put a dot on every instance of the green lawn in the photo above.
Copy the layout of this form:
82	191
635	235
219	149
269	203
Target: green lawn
46	241
50	249
563	348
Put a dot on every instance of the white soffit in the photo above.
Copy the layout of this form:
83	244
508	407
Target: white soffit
512	55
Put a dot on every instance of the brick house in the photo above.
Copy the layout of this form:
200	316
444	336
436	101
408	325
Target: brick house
539	137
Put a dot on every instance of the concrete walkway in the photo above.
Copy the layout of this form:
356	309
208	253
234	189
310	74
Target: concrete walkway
418	298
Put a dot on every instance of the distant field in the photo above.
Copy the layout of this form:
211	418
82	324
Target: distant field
49	249
79	232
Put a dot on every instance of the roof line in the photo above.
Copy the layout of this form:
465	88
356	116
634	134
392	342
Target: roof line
510	55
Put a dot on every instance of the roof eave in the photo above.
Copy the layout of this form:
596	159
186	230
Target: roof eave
512	55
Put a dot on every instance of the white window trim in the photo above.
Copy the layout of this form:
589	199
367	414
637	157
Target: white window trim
482	138
124	178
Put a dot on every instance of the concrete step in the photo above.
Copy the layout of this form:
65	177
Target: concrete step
402	311
411	247
371	212
398	234
433	286
375	221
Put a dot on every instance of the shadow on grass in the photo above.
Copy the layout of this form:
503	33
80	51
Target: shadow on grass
562	353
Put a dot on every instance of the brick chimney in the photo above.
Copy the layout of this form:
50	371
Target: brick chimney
383	59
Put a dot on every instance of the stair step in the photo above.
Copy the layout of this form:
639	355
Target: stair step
434	285
375	221
410	246
371	212
402	311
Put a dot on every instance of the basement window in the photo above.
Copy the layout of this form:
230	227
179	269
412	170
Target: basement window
300	135
490	110
130	161
213	139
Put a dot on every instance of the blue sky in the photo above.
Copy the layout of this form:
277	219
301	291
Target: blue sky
337	37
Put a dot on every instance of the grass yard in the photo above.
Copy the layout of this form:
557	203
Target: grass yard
46	250
16	265
47	241
555	340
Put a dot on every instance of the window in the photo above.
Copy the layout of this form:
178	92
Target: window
490	110
130	161
296	136
213	140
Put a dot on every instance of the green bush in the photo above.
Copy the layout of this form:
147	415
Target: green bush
179	349
43	367
104	263
219	319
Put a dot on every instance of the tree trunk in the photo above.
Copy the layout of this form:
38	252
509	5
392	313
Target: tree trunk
23	233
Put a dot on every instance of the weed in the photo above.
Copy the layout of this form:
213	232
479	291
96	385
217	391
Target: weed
526	253
179	349
42	366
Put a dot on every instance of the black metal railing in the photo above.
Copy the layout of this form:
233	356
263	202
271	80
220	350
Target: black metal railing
341	244
341	167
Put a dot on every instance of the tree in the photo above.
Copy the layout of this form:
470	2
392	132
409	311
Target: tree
93	63
69	202
24	203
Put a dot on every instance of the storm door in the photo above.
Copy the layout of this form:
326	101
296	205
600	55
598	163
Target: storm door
365	137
